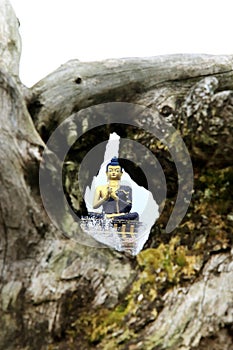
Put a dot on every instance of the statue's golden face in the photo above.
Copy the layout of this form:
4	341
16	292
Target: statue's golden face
114	172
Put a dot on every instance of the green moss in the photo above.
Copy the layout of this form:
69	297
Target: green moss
167	262
217	185
181	259
159	267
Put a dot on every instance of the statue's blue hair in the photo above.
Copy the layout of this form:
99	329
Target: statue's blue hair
114	162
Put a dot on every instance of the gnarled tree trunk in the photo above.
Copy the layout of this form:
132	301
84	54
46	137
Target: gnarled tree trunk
58	294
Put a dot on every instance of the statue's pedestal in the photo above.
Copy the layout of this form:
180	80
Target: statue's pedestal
122	235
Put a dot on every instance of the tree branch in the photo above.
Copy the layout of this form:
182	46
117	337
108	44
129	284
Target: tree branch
76	85
10	47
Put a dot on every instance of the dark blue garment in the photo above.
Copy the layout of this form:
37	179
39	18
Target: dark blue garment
124	193
127	216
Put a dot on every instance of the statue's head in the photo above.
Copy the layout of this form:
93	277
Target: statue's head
114	170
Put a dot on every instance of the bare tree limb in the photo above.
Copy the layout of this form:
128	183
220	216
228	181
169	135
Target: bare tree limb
76	85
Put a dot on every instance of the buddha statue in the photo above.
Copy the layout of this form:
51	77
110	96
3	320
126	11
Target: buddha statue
115	198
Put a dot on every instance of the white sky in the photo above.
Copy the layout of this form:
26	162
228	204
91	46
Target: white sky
55	31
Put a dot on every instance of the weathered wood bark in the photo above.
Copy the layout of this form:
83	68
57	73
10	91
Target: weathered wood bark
163	79
58	294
